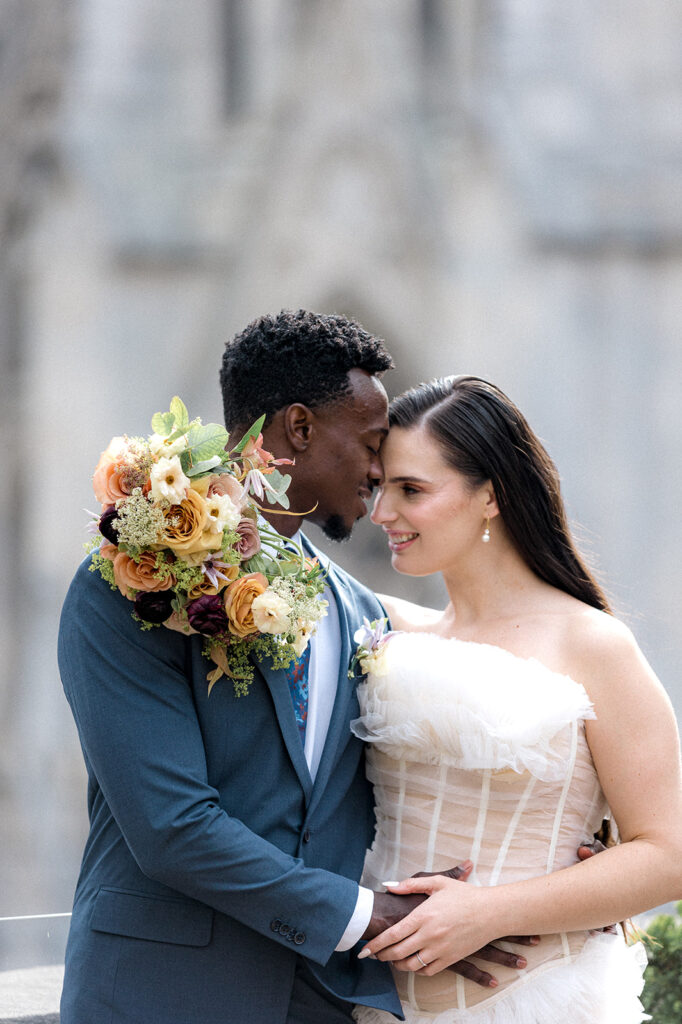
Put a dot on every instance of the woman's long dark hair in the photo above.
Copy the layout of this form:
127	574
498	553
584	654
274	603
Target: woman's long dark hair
484	436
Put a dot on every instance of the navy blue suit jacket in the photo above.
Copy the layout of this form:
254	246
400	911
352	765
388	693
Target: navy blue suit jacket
212	858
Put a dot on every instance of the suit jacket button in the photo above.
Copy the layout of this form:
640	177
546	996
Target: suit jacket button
284	929
306	836
299	938
275	925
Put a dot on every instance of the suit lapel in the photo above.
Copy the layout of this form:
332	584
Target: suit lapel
278	685
345	706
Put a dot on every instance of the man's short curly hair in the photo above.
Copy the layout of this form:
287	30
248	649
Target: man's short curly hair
294	357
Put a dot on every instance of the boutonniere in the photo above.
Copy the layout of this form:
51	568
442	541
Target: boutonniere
370	654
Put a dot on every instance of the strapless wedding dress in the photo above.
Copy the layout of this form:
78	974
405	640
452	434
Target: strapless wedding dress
475	752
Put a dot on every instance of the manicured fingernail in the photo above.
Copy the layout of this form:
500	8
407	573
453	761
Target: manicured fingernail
521	961
366	951
390	885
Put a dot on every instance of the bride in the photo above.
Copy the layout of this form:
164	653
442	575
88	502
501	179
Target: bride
505	729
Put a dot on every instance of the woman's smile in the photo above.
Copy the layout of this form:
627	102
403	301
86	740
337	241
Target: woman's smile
400	540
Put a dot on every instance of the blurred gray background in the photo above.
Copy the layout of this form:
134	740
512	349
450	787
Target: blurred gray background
494	186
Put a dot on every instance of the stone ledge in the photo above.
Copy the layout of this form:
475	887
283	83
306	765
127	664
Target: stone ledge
31	996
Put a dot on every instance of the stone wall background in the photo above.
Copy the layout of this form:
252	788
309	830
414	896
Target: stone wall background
492	186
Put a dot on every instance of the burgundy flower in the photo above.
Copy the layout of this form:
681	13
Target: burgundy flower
207	615
154	607
249	542
107	524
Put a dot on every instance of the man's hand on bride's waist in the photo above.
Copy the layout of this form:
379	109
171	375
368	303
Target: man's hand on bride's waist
390	908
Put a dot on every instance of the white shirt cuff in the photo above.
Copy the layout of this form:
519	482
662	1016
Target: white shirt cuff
359	921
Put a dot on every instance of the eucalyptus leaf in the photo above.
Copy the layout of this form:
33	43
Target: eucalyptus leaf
253	432
162	423
177	433
279	481
204	467
277	499
207	441
179	411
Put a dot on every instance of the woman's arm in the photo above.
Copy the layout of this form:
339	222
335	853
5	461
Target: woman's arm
635	747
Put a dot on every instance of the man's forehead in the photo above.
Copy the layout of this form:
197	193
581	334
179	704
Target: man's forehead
368	395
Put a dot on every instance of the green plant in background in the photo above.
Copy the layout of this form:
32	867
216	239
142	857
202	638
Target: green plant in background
662	996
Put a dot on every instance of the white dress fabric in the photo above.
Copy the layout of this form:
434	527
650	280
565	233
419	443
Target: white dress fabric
475	752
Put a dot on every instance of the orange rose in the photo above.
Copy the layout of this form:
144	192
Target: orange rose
121	468
239	597
141	575
108	551
185	524
106	481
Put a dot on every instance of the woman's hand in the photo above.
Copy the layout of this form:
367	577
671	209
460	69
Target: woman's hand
452	924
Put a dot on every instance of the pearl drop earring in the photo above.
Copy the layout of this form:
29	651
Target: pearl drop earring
486	533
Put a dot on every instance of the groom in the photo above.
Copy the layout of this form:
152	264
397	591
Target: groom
219	879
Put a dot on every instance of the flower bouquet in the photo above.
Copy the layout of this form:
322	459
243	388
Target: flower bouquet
180	536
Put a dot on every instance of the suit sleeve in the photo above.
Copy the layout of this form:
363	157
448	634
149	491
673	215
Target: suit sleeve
132	701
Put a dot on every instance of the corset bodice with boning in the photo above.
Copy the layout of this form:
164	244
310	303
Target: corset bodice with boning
475	752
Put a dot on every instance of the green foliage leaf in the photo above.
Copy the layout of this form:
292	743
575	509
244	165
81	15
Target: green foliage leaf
179	412
177	433
261	563
662	996
206	441
278	499
288	568
279	482
253	432
162	423
204	467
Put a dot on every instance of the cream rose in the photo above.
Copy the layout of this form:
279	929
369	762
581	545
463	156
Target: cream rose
271	613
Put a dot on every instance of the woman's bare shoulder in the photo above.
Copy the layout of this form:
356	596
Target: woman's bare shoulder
603	648
597	634
409	616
